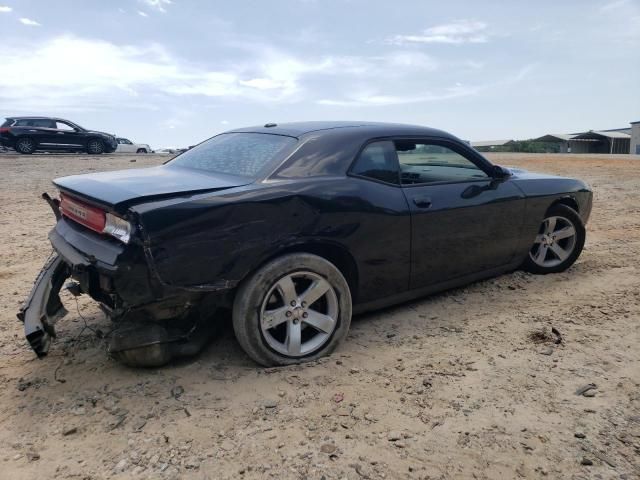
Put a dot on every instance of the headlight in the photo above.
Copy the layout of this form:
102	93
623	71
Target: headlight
117	227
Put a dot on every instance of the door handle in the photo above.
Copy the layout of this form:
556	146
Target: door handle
422	202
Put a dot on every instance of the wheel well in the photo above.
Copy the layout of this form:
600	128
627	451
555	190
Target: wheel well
568	201
337	255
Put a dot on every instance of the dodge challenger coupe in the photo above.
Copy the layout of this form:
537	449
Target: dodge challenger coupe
293	228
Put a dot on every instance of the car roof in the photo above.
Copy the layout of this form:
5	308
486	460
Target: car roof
298	129
37	118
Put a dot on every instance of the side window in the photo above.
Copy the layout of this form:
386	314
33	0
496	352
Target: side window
377	161
64	126
432	163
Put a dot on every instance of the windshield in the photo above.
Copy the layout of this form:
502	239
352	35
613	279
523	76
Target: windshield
243	154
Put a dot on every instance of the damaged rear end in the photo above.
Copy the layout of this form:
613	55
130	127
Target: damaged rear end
102	249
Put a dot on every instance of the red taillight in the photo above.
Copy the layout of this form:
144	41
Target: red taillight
90	217
3	130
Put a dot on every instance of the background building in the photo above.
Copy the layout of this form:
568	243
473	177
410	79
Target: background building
635	138
493	145
614	141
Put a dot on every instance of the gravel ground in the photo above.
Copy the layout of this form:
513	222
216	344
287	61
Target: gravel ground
466	384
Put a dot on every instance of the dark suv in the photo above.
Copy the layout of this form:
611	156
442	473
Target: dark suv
30	134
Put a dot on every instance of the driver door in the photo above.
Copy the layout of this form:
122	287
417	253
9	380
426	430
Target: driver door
463	220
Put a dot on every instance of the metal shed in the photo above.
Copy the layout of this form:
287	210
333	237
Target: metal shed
560	138
601	142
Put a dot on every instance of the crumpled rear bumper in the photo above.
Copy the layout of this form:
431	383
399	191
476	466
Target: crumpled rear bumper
43	308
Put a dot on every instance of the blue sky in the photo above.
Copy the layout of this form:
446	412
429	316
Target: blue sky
171	73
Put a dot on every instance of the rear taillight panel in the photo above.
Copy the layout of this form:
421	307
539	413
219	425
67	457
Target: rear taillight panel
90	217
95	219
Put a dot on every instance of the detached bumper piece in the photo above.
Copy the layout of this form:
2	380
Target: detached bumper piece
43	308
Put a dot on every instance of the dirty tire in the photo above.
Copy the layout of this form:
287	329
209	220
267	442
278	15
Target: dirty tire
25	145
95	146
565	218
260	290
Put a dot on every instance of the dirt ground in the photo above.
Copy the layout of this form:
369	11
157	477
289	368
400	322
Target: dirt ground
465	384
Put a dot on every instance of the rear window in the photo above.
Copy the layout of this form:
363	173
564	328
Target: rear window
8	122
243	154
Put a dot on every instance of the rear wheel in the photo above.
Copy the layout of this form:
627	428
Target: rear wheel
559	241
296	308
142	150
95	146
26	145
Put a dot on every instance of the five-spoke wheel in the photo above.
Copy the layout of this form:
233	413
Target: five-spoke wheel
558	243
299	314
295	308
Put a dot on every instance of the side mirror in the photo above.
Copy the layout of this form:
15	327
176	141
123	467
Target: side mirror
500	172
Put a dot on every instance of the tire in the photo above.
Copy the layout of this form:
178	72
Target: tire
262	296
95	146
142	150
561	249
25	145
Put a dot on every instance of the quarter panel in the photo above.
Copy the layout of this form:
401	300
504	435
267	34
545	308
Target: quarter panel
221	237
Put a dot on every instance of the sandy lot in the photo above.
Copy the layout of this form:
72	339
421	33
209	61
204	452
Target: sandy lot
466	384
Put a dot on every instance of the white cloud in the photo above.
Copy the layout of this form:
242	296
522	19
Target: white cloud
4	9
370	98
157	4
224	122
111	74
381	100
458	32
29	22
142	14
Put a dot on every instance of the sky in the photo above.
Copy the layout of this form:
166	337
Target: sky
174	72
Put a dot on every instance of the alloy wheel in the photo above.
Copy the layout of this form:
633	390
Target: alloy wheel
25	145
554	243
299	314
95	146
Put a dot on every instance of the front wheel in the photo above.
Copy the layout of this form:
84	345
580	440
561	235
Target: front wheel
142	150
95	146
559	241
296	308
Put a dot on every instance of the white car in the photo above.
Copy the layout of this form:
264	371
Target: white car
127	146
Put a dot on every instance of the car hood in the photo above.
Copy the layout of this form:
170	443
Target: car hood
125	187
100	133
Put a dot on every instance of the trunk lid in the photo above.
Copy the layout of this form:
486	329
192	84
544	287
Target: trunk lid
122	188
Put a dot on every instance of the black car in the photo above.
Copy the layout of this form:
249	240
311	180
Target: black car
31	134
293	228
